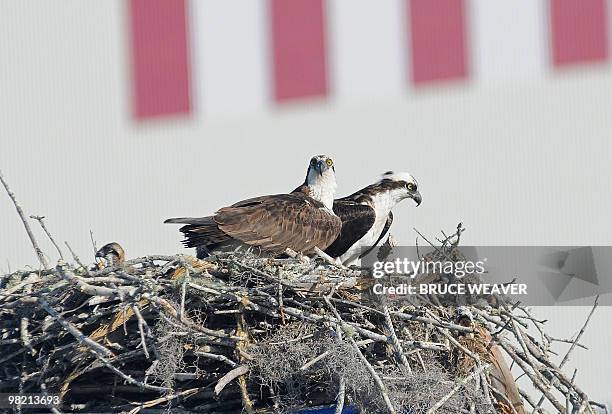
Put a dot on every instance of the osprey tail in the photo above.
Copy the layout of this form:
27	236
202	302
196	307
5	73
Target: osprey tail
202	233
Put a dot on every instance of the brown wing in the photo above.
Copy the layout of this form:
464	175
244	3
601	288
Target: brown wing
280	221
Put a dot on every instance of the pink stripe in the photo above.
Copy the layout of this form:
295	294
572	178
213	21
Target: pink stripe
438	39
579	31
299	48
160	57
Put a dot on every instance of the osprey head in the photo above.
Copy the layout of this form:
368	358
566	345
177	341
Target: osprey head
401	185
112	252
320	164
321	179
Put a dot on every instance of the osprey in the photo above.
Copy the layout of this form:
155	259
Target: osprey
366	215
301	220
112	253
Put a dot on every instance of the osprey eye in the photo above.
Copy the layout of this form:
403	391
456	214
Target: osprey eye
329	162
411	186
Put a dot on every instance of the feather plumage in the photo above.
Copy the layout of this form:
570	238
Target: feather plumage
272	223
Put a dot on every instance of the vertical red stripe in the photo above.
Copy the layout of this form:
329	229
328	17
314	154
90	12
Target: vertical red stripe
579	31
299	48
160	57
438	39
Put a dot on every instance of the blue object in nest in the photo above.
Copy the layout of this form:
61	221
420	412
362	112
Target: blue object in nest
327	410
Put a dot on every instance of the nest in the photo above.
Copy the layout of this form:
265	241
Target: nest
239	333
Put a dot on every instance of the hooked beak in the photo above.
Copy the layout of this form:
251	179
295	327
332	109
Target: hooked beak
416	196
320	167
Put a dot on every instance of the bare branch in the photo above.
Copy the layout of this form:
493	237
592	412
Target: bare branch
39	253
40	220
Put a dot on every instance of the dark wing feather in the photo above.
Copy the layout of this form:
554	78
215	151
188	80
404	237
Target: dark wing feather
251	201
384	231
200	231
357	219
188	220
276	222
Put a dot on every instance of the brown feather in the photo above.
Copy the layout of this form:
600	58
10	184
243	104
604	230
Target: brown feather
282	221
272	223
500	375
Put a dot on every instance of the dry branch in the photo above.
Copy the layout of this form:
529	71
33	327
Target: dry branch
41	257
237	332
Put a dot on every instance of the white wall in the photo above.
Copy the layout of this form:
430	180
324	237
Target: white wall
521	162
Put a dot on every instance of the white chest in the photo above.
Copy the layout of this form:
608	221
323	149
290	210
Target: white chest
322	187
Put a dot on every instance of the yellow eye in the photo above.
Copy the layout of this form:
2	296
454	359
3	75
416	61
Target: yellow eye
411	187
329	162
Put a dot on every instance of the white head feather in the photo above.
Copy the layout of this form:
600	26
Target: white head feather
321	180
399	193
399	176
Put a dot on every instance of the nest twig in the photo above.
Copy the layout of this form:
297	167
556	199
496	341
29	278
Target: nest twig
237	332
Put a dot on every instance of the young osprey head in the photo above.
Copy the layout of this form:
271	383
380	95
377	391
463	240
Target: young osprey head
321	180
400	185
113	253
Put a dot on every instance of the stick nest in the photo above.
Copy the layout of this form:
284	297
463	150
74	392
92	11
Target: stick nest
238	333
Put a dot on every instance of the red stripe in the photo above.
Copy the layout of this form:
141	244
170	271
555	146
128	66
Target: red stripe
299	48
438	39
160	57
579	31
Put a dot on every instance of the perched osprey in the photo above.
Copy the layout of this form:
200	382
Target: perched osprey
300	220
366	215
